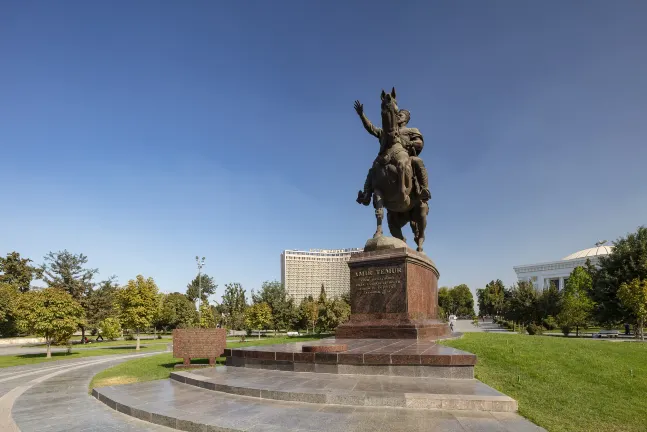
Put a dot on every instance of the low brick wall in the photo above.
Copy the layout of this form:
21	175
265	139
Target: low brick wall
199	343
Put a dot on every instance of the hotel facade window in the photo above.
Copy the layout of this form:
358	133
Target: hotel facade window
303	272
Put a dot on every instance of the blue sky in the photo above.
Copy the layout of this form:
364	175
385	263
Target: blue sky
144	133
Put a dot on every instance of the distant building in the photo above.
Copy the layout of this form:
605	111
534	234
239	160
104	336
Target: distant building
303	272
557	272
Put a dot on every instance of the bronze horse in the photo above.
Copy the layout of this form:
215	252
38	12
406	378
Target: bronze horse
392	178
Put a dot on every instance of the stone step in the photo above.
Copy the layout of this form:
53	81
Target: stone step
354	390
184	407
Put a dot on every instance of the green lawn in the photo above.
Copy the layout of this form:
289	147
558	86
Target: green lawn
160	366
107	343
566	384
25	359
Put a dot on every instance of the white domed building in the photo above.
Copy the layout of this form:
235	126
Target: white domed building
543	274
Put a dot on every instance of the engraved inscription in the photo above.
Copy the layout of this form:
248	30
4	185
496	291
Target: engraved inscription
377	280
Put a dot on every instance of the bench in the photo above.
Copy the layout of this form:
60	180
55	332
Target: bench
607	333
292	333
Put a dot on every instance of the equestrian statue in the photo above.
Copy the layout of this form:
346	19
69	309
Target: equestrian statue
398	179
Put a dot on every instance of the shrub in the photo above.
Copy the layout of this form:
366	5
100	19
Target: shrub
110	328
129	337
566	330
550	323
534	329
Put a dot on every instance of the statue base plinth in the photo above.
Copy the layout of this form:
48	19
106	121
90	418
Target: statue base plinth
394	295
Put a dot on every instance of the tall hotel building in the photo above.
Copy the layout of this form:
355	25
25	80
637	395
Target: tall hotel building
303	272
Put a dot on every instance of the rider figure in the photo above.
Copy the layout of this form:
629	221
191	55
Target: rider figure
411	140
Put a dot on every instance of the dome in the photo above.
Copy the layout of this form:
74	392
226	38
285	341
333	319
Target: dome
599	249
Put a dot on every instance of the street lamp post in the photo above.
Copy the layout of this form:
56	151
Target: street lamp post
200	263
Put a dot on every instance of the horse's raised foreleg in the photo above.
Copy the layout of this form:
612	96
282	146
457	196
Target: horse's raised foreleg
405	187
378	203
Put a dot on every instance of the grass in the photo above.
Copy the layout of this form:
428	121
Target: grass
565	384
108	343
26	359
160	366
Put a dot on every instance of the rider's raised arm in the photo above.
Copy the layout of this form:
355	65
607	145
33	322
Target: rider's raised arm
375	131
359	108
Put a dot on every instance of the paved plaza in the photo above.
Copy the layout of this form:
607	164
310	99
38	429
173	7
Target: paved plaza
53	397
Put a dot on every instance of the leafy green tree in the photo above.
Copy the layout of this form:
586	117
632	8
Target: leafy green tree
633	296
233	305
110	328
137	304
258	316
207	286
206	316
17	271
309	312
323	298
444	300
577	306
8	309
627	262
522	303
51	313
67	271
282	305
100	303
461	301
332	314
549	302
177	311
491	299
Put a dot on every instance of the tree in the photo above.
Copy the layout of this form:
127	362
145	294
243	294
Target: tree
633	296
521	305
110	328
322	295
177	311
206	316
234	305
549	302
461	301
66	271
51	313
207	287
627	262
309	312
17	271
281	304
8	309
258	316
444	301
577	307
332	314
137	303
100	303
491	298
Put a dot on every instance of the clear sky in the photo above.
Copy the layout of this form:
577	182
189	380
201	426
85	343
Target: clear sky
144	133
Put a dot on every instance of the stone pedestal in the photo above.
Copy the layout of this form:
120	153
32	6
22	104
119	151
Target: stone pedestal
394	295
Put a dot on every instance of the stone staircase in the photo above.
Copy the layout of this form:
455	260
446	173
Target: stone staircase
351	390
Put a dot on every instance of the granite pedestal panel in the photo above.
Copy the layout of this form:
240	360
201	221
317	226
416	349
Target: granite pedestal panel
394	295
396	357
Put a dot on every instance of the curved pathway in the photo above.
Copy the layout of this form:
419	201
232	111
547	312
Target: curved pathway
54	396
